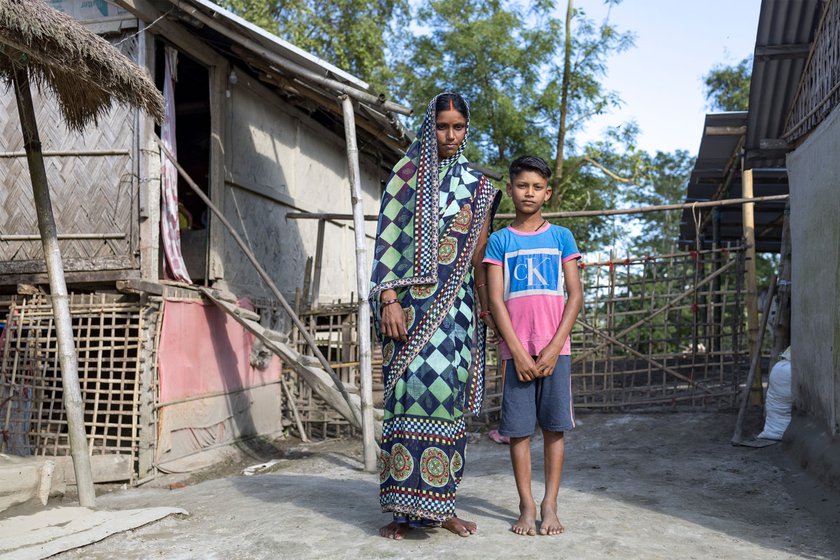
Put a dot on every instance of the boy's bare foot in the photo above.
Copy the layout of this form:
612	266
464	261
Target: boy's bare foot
527	522
549	522
460	527
394	530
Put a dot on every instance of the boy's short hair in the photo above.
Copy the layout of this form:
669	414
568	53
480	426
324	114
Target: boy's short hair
529	163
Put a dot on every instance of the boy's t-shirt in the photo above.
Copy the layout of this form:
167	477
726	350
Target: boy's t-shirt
534	284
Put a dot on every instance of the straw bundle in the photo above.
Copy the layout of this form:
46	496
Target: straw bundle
84	71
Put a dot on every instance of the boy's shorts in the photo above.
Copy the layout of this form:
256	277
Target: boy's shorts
547	400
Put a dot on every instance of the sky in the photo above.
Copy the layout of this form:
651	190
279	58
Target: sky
660	80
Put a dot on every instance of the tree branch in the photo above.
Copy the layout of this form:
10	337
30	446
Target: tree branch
606	171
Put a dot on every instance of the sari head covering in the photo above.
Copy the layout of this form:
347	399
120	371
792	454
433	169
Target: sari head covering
425	240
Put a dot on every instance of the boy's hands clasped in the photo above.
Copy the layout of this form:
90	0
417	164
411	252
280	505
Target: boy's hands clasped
547	359
528	369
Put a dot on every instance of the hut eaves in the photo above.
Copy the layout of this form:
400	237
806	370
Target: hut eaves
256	47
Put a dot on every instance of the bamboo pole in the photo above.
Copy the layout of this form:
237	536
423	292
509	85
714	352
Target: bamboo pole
363	320
70	153
319	259
573	213
73	405
748	213
754	369
268	281
303	437
29	237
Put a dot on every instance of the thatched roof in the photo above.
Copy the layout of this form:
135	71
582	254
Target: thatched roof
85	72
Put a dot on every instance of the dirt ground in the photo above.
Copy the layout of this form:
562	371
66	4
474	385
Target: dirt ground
659	485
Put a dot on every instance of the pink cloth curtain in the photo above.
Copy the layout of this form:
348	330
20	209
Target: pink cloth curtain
175	268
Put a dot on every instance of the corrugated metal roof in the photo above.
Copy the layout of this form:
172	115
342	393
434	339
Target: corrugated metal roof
254	49
283	48
785	31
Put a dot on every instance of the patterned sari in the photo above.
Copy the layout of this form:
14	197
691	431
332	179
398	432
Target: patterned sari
431	216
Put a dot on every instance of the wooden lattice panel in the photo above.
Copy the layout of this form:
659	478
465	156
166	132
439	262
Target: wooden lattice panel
334	330
108	341
92	186
818	94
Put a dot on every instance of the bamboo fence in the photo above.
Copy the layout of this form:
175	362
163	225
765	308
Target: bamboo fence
109	342
666	331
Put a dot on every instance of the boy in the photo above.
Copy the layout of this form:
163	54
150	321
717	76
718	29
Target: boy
527	263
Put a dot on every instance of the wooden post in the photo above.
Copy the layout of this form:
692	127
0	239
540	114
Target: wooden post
717	312
362	272
781	326
319	256
748	217
73	405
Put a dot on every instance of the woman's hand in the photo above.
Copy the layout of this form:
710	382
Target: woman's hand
393	322
492	333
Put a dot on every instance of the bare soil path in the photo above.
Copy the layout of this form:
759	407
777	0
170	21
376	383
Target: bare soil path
640	486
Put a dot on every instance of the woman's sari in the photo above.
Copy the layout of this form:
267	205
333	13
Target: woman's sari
431	216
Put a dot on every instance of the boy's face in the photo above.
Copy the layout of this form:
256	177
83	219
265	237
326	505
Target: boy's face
529	192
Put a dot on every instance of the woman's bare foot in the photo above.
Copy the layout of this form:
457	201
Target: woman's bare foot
459	526
394	530
549	522
527	522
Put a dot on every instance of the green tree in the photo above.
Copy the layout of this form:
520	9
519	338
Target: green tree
527	95
728	87
662	180
488	51
586	48
350	34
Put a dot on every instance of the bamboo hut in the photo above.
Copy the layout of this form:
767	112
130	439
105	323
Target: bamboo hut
169	377
84	74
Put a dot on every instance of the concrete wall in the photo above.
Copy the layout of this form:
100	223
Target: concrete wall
279	160
814	174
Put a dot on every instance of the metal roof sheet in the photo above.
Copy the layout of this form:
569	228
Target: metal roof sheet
785	31
281	47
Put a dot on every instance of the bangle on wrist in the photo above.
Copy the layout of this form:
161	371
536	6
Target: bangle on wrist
484	314
389	302
480	285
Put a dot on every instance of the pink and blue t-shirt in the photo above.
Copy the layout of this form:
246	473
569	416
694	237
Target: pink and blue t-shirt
534	286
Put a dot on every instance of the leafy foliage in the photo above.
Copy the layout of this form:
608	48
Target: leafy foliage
350	34
728	87
533	79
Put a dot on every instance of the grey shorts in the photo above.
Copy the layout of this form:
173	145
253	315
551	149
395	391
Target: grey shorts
546	400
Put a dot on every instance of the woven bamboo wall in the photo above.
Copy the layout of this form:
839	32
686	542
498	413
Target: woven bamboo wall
93	185
108	342
818	92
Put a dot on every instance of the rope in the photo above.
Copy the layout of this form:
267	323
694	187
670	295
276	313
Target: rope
133	35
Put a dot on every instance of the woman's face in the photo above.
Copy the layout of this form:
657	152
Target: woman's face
450	128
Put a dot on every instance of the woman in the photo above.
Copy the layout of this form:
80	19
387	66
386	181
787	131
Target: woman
427	265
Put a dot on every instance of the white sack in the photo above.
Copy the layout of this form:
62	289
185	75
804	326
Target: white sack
779	400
